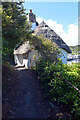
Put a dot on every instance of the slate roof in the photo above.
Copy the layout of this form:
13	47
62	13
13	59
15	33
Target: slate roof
48	33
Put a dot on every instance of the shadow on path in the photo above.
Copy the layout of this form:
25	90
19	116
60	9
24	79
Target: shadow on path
23	97
29	103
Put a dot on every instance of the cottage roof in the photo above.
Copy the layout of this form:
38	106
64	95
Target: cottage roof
48	33
21	49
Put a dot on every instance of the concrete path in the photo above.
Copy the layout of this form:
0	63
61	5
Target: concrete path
30	103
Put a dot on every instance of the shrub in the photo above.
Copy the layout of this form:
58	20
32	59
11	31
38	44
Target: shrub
53	77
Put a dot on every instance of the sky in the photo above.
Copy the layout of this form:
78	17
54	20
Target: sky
62	17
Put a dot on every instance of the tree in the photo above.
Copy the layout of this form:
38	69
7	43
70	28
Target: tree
48	50
0	35
15	27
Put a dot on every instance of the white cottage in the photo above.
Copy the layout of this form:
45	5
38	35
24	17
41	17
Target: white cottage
47	32
23	54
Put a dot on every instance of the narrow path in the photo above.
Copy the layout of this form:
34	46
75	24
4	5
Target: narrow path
29	104
23	97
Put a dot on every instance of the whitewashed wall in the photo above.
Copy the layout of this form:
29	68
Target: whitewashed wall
29	61
32	61
64	56
32	57
18	59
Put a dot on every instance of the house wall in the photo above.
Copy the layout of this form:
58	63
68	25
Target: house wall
18	59
64	56
32	57
26	59
25	63
32	61
21	60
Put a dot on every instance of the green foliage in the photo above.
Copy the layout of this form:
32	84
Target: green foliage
15	28
47	49
75	49
53	75
0	36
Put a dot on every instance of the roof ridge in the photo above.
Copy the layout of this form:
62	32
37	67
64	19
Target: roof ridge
51	34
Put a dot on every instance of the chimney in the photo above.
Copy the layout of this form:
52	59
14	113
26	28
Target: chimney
31	16
30	11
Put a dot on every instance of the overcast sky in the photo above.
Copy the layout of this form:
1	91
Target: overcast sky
62	17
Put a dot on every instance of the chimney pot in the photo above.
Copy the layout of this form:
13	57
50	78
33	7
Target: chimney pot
30	11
